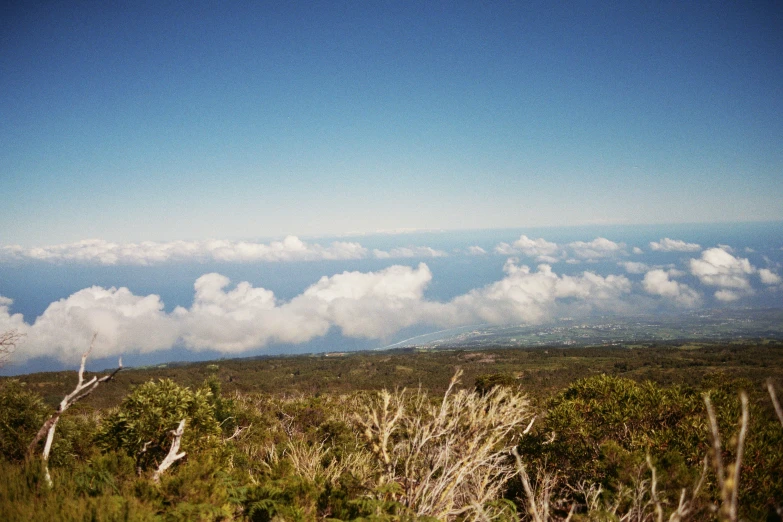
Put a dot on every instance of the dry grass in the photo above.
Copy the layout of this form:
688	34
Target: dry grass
449	458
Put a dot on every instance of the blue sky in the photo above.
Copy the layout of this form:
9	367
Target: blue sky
210	178
189	120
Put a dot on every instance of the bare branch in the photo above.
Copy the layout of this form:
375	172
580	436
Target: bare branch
81	391
238	431
8	342
173	455
728	485
775	402
716	445
740	447
531	498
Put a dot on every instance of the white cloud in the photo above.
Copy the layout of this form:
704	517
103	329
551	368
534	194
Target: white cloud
125	322
98	251
598	248
674	245
658	282
9	321
529	296
536	247
361	304
540	249
476	251
403	252
637	250
727	295
371	305
634	267
768	277
717	267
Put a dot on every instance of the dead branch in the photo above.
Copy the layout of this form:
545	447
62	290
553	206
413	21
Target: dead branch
775	402
8	342
173	455
532	506
82	390
239	430
728	485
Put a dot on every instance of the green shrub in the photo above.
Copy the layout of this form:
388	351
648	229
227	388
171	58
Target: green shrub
22	413
484	383
141	425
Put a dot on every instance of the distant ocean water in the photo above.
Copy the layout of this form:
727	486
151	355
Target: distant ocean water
34	285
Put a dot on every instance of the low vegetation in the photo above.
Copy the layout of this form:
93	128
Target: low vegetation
675	432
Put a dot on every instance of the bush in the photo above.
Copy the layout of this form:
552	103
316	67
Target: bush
141	425
22	413
484	383
448	458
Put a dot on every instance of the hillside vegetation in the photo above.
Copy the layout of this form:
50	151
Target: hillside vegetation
595	433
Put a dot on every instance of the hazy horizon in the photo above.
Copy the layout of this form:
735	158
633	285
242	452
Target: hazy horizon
158	302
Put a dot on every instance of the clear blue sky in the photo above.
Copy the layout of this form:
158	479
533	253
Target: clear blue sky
187	120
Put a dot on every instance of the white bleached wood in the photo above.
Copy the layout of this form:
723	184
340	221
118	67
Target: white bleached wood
173	455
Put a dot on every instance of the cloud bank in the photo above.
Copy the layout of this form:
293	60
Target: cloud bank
236	317
372	305
544	251
101	252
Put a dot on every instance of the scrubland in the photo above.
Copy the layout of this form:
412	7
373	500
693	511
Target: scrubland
627	433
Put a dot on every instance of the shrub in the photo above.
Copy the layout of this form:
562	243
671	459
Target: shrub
22	412
484	383
141	425
447	458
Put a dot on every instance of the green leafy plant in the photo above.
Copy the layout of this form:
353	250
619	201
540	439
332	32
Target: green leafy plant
142	425
22	412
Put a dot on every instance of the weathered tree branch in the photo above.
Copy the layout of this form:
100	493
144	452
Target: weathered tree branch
173	454
81	391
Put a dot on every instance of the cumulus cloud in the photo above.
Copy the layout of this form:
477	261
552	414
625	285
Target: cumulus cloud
674	245
598	248
98	251
524	295
235	318
731	274
637	250
9	321
126	322
658	282
717	267
402	252
476	251
634	267
530	247
768	277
